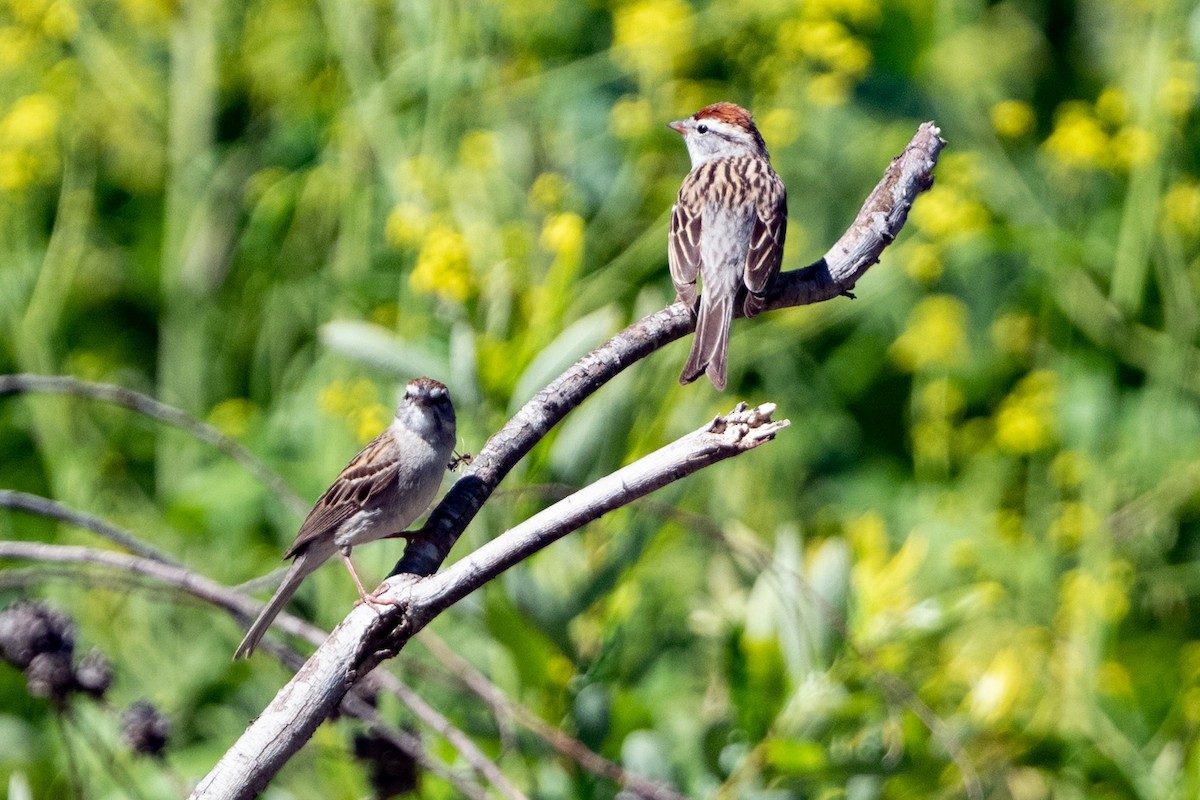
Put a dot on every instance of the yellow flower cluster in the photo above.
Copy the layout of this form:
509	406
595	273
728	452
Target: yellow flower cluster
883	583
935	337
1072	524
631	116
232	417
1083	595
1178	93
936	406
1181	209
548	192
653	37
56	19
1099	136
1025	421
996	692
478	150
358	403
28	150
406	225
1013	333
1012	119
837	58
443	266
563	234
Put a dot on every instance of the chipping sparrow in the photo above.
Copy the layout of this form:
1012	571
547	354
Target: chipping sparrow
727	227
384	488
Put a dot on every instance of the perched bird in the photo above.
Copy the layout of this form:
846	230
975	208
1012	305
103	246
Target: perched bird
383	489
727	228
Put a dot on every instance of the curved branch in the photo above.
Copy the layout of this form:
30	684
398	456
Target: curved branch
176	417
368	636
857	250
44	506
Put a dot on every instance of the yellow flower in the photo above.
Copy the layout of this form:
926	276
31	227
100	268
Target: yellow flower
940	398
1025	422
998	689
232	417
16	45
548	191
652	37
1013	333
1181	208
1084	595
369	420
1113	679
443	265
868	537
826	43
563	234
779	127
1191	705
1009	525
1013	119
946	212
61	21
18	170
28	11
859	12
1178	93
924	262
631	117
477	150
341	398
31	120
406	225
1078	140
1072	525
1113	105
828	89
1133	146
1069	468
935	337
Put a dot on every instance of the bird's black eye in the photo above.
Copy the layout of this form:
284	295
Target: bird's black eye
702	129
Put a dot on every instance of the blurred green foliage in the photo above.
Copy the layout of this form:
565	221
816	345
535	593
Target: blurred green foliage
972	557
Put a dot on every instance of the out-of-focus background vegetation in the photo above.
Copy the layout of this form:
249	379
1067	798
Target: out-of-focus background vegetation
272	214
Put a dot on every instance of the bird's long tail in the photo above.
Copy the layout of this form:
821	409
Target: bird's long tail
301	567
710	345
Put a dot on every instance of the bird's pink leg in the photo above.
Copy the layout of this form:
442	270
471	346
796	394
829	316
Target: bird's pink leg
370	598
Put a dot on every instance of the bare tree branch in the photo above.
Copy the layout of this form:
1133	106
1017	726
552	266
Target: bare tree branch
44	506
876	226
242	607
144	404
367	636
148	565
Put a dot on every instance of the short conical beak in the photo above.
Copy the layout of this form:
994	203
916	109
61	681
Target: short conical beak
679	126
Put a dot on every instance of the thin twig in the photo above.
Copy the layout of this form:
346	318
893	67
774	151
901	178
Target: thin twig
463	743
564	744
44	506
242	607
155	409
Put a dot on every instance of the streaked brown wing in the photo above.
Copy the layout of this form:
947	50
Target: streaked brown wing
356	488
765	253
683	252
